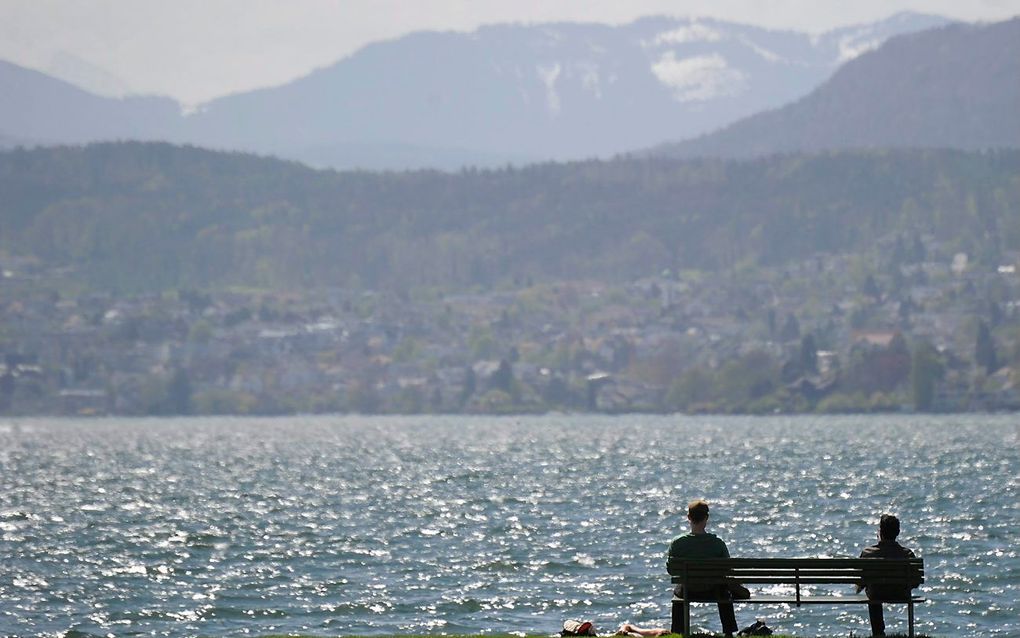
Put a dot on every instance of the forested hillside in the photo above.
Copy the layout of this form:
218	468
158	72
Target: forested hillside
134	216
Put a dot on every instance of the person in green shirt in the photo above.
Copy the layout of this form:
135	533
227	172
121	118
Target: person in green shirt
702	544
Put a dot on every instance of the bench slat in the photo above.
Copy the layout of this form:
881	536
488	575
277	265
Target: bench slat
790	563
739	574
780	580
890	566
854	570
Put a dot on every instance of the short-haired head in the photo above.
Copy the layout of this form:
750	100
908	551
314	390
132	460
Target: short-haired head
889	527
697	510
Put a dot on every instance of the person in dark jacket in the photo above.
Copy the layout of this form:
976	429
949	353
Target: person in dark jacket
887	547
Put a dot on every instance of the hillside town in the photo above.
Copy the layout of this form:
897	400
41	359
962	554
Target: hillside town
914	327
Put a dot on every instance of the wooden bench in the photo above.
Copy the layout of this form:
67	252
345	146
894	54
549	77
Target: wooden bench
801	573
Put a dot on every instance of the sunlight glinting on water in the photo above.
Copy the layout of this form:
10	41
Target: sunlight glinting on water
349	525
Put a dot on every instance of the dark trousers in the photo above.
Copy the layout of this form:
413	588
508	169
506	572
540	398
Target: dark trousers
728	618
726	614
877	619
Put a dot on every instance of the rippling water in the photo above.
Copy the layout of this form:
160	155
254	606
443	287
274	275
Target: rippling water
342	525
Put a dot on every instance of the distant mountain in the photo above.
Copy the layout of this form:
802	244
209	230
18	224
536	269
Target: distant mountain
85	75
137	216
553	91
7	141
38	108
507	93
956	87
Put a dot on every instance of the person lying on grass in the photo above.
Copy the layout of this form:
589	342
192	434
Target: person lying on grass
627	629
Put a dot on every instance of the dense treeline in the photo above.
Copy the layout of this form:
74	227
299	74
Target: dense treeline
137	216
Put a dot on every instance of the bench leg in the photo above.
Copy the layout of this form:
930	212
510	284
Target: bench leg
680	618
910	618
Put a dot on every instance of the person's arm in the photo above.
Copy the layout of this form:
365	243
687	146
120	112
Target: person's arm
917	581
737	591
860	587
673	553
628	629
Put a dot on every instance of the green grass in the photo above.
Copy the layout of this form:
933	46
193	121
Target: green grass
864	634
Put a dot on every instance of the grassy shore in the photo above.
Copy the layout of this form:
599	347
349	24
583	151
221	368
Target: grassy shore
518	635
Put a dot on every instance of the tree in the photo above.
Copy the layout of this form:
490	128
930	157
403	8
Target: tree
994	313
984	349
362	397
747	378
436	400
696	385
808	354
6	390
898	256
925	371
503	377
482	342
410	400
557	392
179	392
917	250
870	288
470	385
790	330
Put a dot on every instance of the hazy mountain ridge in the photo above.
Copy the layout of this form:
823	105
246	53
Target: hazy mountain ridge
550	91
502	93
954	87
85	75
37	108
154	216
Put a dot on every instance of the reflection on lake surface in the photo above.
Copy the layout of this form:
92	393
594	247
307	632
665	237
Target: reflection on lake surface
356	525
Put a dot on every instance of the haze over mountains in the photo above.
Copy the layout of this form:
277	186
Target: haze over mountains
503	93
957	86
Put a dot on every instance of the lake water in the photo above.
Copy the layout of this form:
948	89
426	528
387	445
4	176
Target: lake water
431	525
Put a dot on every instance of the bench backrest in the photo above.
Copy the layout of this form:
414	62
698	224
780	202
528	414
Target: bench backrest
705	573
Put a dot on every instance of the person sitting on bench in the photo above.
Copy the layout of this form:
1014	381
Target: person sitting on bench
701	544
887	547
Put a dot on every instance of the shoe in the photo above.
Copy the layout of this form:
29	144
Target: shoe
758	628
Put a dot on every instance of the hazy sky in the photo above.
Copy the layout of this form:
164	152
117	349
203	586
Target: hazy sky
195	50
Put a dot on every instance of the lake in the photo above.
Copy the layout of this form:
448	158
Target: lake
431	525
